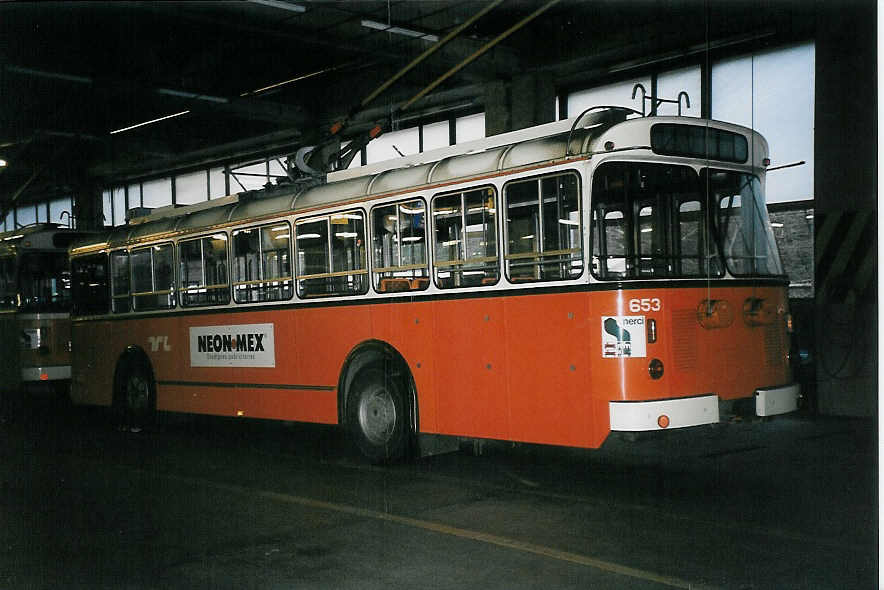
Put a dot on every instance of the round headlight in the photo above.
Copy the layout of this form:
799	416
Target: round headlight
655	368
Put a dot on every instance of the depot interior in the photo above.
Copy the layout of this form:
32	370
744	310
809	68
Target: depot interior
111	107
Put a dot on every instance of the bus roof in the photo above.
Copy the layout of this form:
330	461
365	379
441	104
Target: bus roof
561	140
39	236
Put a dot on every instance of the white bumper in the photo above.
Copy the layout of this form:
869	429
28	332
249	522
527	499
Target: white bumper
777	400
46	373
664	414
694	411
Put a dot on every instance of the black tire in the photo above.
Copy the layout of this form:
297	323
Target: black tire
136	396
377	416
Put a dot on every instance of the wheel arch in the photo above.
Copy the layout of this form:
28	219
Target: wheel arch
132	355
373	352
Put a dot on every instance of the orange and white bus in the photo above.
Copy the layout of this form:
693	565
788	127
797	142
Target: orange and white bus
549	285
35	300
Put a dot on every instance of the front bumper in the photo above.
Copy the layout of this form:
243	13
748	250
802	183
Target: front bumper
46	373
684	412
771	401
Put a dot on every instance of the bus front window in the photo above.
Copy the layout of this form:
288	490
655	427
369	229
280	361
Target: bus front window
743	225
8	287
45	282
651	221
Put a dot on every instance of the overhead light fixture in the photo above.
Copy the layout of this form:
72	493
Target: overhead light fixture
281	4
776	224
373	24
148	122
3	163
192	95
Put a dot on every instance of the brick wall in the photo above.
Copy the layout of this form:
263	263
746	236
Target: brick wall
792	225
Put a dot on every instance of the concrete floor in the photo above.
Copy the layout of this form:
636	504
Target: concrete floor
219	503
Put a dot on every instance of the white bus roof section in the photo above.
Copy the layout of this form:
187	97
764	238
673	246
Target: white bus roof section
517	149
479	145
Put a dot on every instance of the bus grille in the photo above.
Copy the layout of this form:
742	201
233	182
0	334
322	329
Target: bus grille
773	346
684	338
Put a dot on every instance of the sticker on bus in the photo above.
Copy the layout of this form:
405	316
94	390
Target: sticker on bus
247	345
623	336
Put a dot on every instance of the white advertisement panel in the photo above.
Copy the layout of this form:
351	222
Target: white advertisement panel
247	345
624	336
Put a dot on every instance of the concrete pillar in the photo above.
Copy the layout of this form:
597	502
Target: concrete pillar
526	101
88	207
845	209
498	117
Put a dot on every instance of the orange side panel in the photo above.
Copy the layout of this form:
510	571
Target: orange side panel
526	367
469	371
548	368
409	328
301	406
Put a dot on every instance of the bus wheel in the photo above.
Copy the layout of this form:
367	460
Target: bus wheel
137	399
377	416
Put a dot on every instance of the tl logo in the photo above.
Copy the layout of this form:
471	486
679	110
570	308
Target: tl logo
155	342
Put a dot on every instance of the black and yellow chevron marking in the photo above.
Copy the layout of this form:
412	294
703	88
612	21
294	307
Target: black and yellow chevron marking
845	253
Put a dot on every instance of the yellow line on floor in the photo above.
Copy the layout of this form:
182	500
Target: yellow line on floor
444	529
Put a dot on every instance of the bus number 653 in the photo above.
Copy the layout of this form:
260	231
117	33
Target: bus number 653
645	304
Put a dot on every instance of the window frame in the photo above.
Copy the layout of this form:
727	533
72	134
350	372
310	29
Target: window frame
331	273
174	283
182	290
448	263
127	296
673	237
412	285
580	249
231	258
720	228
75	308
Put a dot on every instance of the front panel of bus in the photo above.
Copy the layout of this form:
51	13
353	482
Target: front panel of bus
689	301
35	297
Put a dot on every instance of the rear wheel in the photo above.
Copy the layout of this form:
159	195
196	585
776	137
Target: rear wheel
136	397
377	415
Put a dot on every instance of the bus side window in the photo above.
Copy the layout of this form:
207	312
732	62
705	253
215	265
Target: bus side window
348	253
465	239
153	278
261	263
544	240
119	262
89	279
399	247
331	255
203	270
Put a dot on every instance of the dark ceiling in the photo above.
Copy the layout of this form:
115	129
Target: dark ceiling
74	72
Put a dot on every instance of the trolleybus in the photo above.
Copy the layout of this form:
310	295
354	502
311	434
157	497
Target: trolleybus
35	300
606	273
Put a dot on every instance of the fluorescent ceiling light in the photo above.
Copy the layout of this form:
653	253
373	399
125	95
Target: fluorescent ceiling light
280	4
373	24
776	224
183	94
149	122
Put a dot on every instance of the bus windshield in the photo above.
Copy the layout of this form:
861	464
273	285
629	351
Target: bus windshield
665	221
44	282
743	225
8	290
